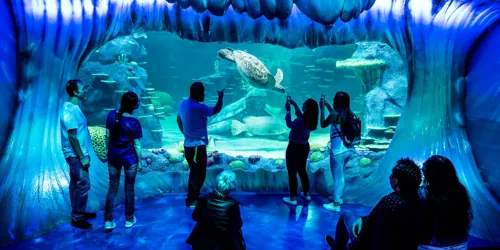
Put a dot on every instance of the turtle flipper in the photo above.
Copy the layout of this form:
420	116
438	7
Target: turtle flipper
278	78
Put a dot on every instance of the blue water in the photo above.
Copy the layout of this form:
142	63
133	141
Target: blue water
165	223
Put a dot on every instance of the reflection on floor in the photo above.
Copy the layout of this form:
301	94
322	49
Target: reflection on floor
165	223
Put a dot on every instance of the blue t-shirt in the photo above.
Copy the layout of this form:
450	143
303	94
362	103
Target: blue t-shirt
194	117
121	139
299	133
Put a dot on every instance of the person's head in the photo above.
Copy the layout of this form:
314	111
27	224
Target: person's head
341	101
129	103
197	92
75	88
226	182
406	177
449	201
311	113
439	172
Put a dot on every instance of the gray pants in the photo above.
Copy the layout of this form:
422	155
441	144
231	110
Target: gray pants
79	186
337	165
114	183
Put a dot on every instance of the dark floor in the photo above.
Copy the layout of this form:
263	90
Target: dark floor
165	223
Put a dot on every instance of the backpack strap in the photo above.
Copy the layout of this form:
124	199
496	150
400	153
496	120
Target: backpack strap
341	135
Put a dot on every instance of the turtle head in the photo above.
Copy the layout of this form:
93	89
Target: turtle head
226	54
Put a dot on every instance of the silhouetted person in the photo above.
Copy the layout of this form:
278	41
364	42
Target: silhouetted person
298	146
218	218
446	211
340	150
124	151
393	224
192	121
75	138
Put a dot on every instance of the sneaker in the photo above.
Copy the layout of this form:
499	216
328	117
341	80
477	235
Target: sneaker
193	204
82	224
330	198
330	241
288	201
109	225
332	207
130	223
308	198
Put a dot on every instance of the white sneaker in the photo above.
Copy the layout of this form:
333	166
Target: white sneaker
109	225
288	201
308	198
130	223
332	207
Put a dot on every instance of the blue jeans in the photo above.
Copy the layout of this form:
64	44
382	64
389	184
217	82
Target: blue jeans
79	186
114	183
337	165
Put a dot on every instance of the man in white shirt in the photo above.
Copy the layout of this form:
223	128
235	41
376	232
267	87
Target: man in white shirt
75	138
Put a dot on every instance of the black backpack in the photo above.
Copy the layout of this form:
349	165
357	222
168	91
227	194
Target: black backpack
351	130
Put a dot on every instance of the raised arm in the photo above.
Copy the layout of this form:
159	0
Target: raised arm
298	112
218	105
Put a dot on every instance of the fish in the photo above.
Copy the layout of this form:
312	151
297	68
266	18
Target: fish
219	128
259	126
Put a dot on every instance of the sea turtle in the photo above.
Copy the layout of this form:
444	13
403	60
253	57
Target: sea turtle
253	70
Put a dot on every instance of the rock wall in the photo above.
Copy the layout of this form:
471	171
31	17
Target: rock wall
389	97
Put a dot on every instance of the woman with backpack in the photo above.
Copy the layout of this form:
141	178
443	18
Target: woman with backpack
342	120
298	147
124	151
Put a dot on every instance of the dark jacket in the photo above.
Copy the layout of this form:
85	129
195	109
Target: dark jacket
218	224
392	225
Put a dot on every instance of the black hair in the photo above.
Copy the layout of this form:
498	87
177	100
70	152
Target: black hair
342	104
72	86
128	104
408	175
196	90
449	204
311	114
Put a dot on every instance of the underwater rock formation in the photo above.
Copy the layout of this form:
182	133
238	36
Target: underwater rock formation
50	45
111	72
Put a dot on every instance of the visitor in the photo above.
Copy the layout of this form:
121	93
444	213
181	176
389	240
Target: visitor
339	151
124	151
218	218
75	146
393	224
298	146
192	121
446	212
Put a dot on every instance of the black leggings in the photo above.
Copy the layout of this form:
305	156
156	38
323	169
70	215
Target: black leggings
197	171
296	161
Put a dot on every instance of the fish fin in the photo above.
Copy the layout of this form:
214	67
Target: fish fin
278	78
237	127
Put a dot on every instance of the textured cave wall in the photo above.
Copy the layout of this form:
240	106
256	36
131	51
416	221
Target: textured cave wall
430	40
483	107
8	71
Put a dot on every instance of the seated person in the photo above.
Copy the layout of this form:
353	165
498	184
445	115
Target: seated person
446	207
393	223
218	218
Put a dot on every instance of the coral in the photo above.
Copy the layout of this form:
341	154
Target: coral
215	156
316	156
176	157
122	59
155	161
253	159
185	165
316	146
180	147
368	71
237	164
365	162
279	162
98	136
